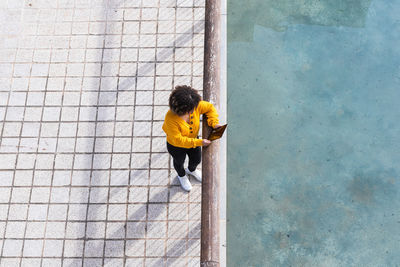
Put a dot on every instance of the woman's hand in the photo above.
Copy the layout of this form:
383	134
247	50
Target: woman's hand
206	142
217	126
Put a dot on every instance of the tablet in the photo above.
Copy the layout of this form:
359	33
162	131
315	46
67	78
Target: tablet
217	133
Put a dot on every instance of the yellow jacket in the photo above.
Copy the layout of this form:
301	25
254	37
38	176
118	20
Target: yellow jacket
183	134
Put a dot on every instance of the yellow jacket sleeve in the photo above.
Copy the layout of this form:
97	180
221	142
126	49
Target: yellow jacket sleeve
209	109
175	137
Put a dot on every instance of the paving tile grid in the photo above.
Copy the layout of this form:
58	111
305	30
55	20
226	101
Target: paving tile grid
85	178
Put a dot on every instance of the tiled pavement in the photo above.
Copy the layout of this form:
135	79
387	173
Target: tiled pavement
85	179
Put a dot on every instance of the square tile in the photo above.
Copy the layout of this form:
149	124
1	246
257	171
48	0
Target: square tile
53	248
177	229
138	194
120	177
69	114
105	113
75	230
57	212
73	248
15	230
155	247
99	195
103	145
122	144
80	177
63	161
40	195
15	114
66	145
159	177
139	177
176	247
94	248
156	229
135	248
12	248
165	40
166	26
116	212
123	129
127	69
161	97
92	262
129	54
131	40
101	161
86	128
30	129
71	98
3	211
142	129
23	178
87	114
79	195
100	177
118	195
136	229
145	83
131	27
141	144
124	113
37	212
5	195
42	178
28	145
68	129
158	144
6	177
158	194
55	229
178	212
59	195
49	129
95	230
97	212
107	98
159	160
35	229
145	69
105	129
10	262
44	161
115	230
61	178
114	249
26	161
51	114
17	99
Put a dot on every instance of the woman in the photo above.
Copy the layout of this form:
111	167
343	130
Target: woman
181	124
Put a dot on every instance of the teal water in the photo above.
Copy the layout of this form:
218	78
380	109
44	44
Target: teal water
314	133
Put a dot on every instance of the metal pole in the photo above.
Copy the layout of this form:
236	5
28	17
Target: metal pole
209	253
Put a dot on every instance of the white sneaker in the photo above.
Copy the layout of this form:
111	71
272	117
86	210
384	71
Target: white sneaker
185	183
196	174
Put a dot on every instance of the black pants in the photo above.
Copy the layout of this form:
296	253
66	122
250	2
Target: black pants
179	155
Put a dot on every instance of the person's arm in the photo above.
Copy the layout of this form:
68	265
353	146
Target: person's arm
212	114
173	132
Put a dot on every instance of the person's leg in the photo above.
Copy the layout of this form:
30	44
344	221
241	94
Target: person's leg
194	158
178	154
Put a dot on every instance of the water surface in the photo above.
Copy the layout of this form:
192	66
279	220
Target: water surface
314	133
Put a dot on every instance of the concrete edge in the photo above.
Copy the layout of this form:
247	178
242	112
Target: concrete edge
223	142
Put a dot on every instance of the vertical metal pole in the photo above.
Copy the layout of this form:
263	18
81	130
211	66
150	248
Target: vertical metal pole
209	254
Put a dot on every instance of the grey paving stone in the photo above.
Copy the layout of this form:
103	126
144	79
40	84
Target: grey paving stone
81	138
